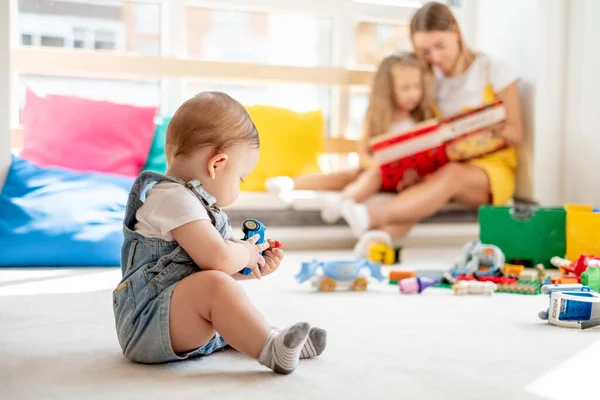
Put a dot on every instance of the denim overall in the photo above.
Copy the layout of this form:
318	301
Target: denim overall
151	267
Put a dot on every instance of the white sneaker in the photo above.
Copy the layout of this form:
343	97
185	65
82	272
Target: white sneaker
357	216
332	211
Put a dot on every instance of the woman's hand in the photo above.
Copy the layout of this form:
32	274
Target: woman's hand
273	258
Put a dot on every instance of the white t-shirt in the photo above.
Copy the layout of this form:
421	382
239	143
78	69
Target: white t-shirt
168	205
465	91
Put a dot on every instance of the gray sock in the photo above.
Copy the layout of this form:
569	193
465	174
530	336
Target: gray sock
315	344
281	351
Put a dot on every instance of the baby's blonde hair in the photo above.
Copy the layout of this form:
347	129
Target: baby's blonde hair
209	119
380	111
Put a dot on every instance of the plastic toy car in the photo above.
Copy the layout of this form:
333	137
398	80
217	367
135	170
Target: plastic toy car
327	276
252	227
571	306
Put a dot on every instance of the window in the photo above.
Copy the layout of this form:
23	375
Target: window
282	38
146	18
104	40
26	39
80	37
107	25
359	101
395	3
52	41
299	97
373	41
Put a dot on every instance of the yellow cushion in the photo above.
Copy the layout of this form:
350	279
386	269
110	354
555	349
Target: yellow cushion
290	144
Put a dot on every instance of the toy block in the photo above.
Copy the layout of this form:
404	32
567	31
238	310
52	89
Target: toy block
398	275
521	287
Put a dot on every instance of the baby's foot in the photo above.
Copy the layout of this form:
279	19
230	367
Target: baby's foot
315	344
357	217
279	184
281	351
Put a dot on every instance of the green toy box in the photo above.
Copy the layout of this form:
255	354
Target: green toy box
527	234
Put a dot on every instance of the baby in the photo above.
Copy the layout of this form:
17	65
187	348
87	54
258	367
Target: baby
180	262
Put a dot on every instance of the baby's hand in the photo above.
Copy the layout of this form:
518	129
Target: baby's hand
273	259
256	260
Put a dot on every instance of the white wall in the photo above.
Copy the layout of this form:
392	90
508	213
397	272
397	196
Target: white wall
4	90
582	124
530	36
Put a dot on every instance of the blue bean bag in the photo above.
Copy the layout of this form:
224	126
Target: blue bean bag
51	217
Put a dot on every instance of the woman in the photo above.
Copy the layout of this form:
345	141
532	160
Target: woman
463	79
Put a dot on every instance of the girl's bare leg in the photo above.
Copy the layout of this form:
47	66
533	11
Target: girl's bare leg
428	197
335	181
366	185
211	301
397	230
462	182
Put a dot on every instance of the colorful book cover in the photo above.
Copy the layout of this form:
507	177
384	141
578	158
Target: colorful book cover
432	144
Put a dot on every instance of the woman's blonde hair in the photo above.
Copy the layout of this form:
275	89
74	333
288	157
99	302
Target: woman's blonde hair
209	119
434	16
382	103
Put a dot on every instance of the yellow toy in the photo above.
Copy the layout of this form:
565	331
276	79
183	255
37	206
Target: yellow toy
377	246
382	253
513	269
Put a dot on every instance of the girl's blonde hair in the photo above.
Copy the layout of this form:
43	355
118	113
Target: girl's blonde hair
434	16
209	119
382	103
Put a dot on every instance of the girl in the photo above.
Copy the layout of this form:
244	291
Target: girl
179	297
397	101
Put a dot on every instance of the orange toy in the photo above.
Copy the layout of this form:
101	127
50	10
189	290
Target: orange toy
398	275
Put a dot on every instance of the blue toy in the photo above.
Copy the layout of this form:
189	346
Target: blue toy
252	227
339	274
478	259
572	306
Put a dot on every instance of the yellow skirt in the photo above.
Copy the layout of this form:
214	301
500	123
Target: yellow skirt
500	168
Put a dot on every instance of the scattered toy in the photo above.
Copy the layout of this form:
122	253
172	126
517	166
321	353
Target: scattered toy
416	284
474	287
398	275
591	278
378	246
571	271
520	287
328	276
571	306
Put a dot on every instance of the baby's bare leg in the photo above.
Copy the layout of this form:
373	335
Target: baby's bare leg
212	301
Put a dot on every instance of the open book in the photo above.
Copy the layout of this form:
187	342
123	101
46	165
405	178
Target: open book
431	144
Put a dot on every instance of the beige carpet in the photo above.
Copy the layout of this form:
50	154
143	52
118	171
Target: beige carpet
57	342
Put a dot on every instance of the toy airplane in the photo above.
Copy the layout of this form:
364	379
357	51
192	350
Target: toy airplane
572	306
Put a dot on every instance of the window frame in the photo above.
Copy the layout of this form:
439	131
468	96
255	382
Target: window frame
344	15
